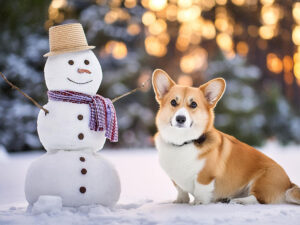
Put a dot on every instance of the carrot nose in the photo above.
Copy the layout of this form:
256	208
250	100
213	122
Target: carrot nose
83	71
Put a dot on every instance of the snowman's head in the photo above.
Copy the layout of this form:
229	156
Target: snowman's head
74	71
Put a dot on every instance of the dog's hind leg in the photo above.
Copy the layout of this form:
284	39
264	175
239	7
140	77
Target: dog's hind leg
251	199
292	195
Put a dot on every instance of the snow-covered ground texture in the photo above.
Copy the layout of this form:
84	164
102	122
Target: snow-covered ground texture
146	197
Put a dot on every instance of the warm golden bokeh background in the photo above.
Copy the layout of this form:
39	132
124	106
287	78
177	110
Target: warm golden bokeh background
188	25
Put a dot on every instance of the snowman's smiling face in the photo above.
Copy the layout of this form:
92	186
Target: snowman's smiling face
75	71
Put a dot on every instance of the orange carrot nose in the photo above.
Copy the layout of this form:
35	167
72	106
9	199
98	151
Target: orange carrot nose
84	71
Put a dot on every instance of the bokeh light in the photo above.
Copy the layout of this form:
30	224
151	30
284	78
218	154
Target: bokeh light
242	48
296	35
157	5
134	29
148	18
274	63
56	4
117	49
225	41
155	47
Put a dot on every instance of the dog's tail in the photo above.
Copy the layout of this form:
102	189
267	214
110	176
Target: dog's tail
292	195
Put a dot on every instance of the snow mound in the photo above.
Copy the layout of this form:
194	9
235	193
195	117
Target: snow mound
94	210
158	213
47	204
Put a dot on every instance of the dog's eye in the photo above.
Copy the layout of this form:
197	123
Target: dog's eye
174	103
86	62
193	105
71	62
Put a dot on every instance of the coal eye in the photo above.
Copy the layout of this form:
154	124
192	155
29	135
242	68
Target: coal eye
86	62
71	62
193	105
174	103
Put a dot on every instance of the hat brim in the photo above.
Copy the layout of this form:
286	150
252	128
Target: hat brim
74	49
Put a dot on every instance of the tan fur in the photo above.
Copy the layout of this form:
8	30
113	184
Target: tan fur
235	166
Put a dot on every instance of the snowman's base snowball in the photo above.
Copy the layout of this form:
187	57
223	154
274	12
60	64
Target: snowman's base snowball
78	177
47	204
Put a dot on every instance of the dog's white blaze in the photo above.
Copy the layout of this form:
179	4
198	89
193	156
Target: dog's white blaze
182	112
180	163
178	135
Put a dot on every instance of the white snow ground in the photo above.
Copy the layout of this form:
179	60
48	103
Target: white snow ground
146	196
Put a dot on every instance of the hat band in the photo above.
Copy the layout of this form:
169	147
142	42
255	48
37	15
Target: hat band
69	48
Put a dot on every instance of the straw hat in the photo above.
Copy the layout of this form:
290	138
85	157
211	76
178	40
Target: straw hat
67	38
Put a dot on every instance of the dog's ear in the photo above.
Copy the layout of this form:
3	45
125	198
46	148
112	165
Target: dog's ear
161	83
213	90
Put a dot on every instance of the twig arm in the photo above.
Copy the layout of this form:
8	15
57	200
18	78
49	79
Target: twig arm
132	91
24	94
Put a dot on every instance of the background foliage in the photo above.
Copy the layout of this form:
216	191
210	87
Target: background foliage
252	44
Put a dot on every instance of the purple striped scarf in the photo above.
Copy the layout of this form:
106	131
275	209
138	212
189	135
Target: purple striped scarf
102	112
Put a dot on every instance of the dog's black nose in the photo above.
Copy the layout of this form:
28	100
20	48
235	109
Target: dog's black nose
180	119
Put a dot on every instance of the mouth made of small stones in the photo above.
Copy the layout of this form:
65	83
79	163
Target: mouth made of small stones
78	82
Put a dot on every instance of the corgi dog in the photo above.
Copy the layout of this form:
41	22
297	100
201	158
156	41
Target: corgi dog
206	163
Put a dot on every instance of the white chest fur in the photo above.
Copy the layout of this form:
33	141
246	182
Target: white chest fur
66	127
180	163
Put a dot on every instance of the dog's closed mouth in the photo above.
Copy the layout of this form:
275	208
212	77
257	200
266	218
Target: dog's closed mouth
181	125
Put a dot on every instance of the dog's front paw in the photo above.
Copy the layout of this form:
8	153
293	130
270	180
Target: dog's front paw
182	200
198	201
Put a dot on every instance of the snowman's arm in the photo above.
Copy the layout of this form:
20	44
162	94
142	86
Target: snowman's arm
44	111
24	94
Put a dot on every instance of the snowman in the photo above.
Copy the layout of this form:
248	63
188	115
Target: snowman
76	127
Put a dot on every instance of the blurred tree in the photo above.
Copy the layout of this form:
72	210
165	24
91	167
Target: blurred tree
253	110
23	41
